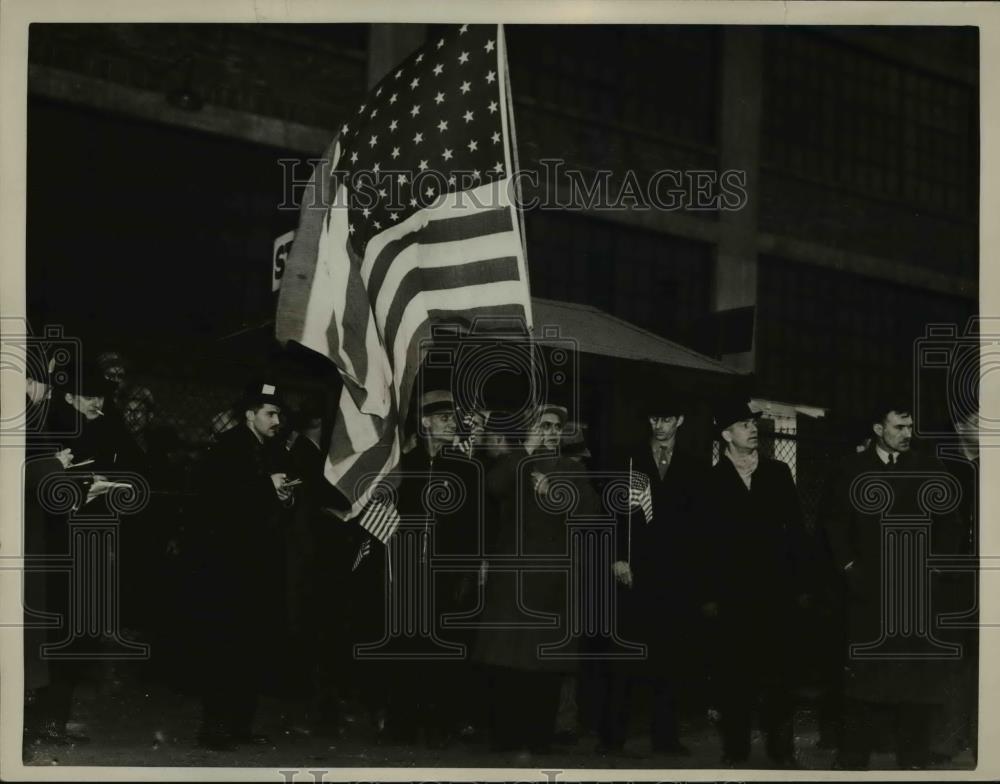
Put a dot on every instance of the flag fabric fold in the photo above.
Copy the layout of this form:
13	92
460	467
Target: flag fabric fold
410	219
640	494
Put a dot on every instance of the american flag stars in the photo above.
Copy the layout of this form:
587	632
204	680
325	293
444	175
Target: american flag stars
436	142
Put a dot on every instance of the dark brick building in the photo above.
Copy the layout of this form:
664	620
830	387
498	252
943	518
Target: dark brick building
156	147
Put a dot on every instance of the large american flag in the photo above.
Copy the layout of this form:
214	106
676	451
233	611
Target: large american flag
414	222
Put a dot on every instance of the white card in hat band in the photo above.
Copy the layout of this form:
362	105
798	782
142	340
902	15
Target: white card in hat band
267	389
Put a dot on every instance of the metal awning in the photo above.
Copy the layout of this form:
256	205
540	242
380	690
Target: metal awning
597	332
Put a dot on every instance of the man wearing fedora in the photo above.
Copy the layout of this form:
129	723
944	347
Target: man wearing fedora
434	696
755	525
92	431
247	497
656	574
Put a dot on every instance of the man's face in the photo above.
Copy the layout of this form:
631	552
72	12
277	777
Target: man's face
265	421
440	427
548	430
116	375
895	432
664	428
743	434
137	414
89	405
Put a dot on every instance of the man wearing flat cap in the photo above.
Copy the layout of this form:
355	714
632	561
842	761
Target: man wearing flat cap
435	697
655	567
247	499
755	525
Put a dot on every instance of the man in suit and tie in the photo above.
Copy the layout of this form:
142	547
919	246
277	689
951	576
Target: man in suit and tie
909	690
657	574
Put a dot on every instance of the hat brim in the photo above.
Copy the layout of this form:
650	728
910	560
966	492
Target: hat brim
438	407
754	415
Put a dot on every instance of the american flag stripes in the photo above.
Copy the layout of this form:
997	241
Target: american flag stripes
414	223
380	520
640	494
363	551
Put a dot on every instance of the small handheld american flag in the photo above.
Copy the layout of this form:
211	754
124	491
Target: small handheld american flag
380	520
641	495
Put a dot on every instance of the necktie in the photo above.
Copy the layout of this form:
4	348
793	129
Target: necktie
892	460
662	461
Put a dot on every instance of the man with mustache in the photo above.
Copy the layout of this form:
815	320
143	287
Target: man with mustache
247	492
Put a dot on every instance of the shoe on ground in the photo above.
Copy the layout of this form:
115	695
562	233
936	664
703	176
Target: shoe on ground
617	751
785	763
437	739
673	749
566	737
846	762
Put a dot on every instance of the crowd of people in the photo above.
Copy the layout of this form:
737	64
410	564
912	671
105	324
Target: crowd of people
714	573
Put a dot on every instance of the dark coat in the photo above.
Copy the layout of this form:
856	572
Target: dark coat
447	494
105	440
856	537
667	557
40	463
542	532
243	557
758	542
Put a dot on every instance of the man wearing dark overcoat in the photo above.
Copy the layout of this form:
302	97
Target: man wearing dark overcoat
247	496
48	685
527	488
659	580
903	683
755	523
443	487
